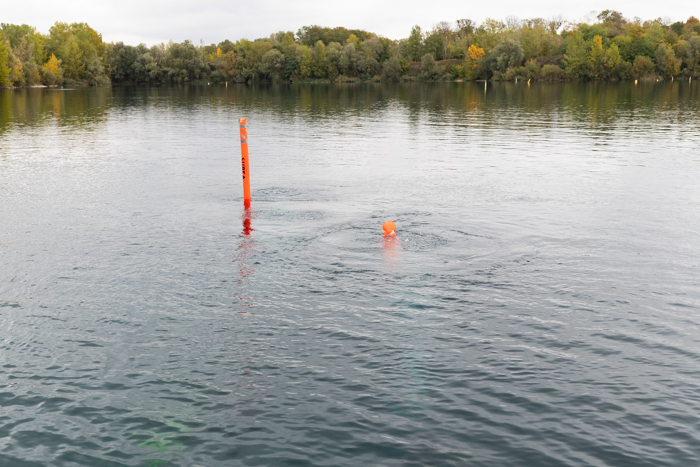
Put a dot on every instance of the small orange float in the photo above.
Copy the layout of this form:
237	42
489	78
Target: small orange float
389	228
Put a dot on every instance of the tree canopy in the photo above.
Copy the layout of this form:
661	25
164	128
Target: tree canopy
611	47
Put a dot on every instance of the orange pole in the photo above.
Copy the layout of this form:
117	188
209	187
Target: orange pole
244	160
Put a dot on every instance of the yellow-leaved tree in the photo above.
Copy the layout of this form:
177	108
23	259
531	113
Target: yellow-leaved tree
353	39
54	66
596	55
306	65
474	54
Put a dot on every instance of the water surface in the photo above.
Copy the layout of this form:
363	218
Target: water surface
540	306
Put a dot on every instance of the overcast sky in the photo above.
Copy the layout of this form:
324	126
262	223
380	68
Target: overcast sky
154	21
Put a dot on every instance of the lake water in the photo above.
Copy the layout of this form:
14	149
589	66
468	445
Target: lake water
539	307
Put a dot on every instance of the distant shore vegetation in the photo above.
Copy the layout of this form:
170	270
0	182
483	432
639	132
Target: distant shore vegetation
611	47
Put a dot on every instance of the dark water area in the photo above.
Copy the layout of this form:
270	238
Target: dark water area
540	306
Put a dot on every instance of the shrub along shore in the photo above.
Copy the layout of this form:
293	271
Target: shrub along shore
611	47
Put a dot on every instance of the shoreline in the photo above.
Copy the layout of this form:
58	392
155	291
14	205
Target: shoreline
350	81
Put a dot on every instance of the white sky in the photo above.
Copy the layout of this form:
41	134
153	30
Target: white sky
154	21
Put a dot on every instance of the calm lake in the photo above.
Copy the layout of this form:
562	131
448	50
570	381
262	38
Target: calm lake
539	307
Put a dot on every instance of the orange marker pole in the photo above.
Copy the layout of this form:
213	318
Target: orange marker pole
244	161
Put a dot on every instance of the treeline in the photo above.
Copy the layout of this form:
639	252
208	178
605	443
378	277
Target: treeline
612	47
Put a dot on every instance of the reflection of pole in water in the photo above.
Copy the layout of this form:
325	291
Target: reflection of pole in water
244	258
247	215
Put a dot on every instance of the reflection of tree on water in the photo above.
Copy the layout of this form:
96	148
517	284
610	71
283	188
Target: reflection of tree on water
78	109
244	257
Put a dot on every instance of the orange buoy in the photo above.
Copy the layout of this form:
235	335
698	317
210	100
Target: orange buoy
389	228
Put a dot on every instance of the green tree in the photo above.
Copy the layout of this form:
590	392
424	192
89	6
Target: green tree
415	43
17	76
429	69
81	51
596	55
348	61
505	55
309	35
611	60
27	45
121	59
576	59
391	71
666	61
432	44
693	56
540	38
642	66
681	49
183	63
72	59
149	63
678	27
447	36
612	16
24	52
273	64
286	42
320	69
4	69
624	46
292	60
492	27
362	64
372	50
465	27
306	67
15	33
334	52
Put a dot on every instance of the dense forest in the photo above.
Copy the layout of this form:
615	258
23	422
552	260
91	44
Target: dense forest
611	47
